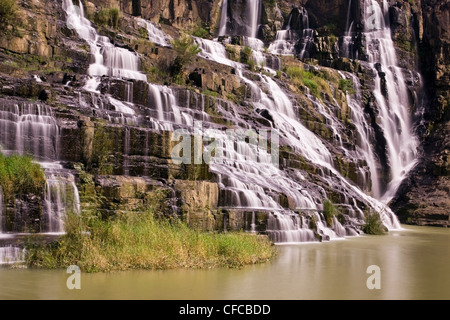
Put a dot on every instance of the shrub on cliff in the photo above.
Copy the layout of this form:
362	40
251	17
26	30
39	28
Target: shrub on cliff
374	225
186	49
8	11
20	175
108	17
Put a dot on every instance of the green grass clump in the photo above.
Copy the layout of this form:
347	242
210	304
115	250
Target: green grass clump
20	175
329	211
317	83
8	11
108	17
143	32
186	50
347	85
246	54
374	225
200	32
140	241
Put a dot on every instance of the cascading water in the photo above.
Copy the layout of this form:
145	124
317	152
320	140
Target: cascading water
28	128
11	255
223	19
347	40
246	177
394	113
108	59
307	40
242	188
364	132
254	14
285	40
155	34
60	198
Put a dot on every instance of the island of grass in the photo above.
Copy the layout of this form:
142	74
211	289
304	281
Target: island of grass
141	241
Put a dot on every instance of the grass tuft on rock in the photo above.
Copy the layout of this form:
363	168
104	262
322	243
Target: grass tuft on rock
20	175
140	241
374	225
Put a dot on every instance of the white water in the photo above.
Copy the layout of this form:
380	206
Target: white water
155	34
348	37
28	128
60	197
254	14
246	183
285	40
284	43
365	132
307	36
284	228
395	117
223	19
11	255
244	179
121	106
108	59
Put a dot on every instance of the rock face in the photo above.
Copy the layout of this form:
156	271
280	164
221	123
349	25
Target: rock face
424	197
122	160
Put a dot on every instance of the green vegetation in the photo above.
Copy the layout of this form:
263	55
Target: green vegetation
20	175
108	17
317	81
232	53
140	241
329	211
313	86
8	11
186	50
347	85
373	224
279	74
270	3
102	146
200	32
301	77
246	54
329	29
143	32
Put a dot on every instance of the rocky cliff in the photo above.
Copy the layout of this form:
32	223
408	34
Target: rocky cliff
117	142
424	197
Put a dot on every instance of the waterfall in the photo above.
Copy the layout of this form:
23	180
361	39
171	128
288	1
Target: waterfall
245	184
284	43
28	128
284	228
223	19
247	177
108	59
394	113
364	133
307	40
11	255
155	34
60	197
285	40
254	14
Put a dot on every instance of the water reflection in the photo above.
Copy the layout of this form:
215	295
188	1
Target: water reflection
414	265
